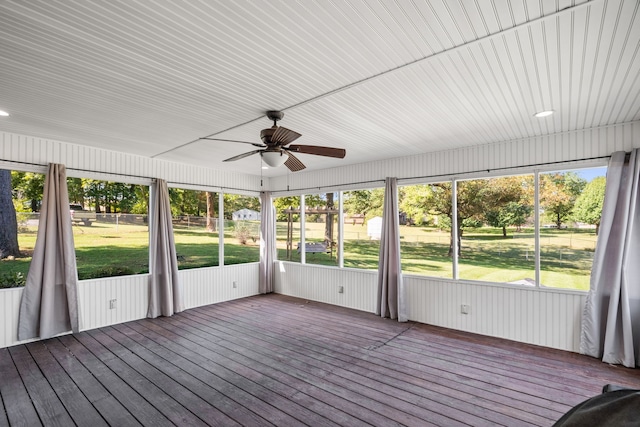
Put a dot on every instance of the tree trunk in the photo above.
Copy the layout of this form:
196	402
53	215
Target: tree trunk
504	231
8	220
328	228
558	221
211	213
597	228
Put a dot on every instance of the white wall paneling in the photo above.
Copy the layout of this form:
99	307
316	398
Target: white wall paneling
131	293
104	164
202	286
320	283
549	318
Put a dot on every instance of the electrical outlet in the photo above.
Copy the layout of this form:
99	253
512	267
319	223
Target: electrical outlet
112	304
465	309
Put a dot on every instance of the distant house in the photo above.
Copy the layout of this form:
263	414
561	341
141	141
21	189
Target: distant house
245	215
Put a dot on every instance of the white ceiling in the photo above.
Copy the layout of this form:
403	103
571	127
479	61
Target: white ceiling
380	78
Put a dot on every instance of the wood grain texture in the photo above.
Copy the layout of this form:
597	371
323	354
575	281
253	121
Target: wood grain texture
278	360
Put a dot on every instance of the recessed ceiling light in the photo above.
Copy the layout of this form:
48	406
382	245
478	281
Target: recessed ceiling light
544	113
265	167
3	113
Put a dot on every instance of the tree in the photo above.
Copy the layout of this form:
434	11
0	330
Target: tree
283	203
29	187
558	194
513	213
328	226
211	212
8	221
508	201
366	202
588	206
414	201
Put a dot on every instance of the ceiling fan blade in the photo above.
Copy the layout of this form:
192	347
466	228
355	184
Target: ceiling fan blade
283	136
294	164
338	153
241	156
233	140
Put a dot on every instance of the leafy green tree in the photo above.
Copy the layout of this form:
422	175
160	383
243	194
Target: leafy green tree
211	199
29	188
283	203
366	202
511	214
414	201
76	191
558	194
470	205
588	206
508	201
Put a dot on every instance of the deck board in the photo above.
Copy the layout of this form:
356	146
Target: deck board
277	360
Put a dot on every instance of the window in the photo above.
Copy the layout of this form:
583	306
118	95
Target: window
20	201
570	210
241	229
425	229
321	228
362	227
195	227
496	229
110	227
287	227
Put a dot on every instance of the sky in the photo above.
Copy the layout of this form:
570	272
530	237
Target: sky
591	173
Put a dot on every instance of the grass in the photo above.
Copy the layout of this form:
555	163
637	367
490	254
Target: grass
108	249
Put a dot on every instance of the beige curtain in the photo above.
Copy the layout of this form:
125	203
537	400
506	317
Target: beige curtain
165	296
611	318
390	302
49	304
267	243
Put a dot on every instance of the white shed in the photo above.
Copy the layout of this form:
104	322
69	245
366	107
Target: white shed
374	228
245	215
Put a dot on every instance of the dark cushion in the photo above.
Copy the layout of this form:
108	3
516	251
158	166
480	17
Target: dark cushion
619	407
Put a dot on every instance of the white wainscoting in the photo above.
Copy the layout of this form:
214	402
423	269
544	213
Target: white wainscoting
130	292
200	286
204	286
9	310
320	283
549	318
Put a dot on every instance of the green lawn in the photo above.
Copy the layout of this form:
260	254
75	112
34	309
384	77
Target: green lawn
109	249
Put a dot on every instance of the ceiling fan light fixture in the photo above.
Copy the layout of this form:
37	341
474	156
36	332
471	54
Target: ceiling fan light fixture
544	113
274	158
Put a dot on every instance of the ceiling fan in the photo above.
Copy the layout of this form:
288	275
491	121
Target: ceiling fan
275	149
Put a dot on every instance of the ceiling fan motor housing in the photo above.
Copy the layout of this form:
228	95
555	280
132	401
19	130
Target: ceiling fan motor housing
266	134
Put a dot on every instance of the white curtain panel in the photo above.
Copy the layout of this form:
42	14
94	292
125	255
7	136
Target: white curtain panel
390	299
49	304
611	318
267	243
165	297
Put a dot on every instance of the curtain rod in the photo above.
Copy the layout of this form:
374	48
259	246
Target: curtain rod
450	174
132	176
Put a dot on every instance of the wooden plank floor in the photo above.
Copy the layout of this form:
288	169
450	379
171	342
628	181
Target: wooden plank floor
276	360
